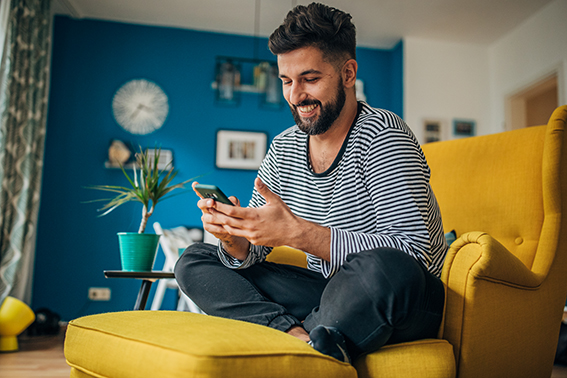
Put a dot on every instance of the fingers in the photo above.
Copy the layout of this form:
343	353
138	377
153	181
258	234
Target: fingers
193	186
220	214
254	224
210	216
206	205
211	221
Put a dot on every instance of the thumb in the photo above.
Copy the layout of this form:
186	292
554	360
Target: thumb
264	191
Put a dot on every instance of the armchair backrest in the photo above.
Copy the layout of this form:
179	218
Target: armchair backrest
498	184
492	184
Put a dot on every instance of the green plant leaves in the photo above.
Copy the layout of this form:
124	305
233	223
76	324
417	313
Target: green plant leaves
149	185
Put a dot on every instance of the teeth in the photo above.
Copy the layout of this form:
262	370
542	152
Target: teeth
307	109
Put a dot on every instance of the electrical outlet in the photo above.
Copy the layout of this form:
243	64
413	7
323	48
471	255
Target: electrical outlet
99	293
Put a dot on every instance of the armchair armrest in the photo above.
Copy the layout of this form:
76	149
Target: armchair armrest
483	257
491	302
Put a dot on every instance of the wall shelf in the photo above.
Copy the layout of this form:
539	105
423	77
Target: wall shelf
244	88
109	165
234	76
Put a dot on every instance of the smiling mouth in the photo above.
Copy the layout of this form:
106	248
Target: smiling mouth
306	109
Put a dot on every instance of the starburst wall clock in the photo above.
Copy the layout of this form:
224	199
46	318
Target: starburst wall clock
140	106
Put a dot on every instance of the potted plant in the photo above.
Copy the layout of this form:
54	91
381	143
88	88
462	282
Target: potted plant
149	185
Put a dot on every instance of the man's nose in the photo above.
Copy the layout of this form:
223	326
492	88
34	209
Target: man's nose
297	94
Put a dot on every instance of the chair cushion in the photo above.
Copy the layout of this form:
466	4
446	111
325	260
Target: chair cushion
181	344
429	358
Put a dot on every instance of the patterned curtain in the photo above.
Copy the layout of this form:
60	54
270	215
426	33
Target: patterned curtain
24	77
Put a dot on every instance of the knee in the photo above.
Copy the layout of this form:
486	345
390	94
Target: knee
380	259
193	255
387	268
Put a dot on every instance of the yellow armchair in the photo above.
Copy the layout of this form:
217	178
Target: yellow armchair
507	284
505	277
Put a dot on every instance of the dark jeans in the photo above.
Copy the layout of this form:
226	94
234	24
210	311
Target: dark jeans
381	296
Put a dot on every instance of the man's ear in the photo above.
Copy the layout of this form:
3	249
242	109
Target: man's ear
349	73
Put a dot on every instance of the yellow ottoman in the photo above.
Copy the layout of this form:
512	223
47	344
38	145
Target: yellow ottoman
164	344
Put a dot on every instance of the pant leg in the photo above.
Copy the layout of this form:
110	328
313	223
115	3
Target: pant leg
274	295
379	297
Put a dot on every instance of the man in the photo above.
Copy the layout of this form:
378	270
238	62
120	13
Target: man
349	185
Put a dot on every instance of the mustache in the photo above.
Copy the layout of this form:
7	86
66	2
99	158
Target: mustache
307	102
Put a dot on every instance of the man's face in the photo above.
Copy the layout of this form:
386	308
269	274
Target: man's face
313	89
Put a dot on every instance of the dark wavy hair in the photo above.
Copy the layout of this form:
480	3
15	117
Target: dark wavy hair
318	25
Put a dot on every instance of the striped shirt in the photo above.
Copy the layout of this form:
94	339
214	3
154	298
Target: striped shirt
375	194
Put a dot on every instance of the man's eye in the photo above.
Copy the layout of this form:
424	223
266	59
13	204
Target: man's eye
311	80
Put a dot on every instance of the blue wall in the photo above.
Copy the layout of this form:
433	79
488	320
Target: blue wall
90	61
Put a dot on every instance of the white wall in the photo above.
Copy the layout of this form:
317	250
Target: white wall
444	81
529	52
447	80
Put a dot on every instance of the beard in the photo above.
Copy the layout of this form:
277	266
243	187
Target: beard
328	113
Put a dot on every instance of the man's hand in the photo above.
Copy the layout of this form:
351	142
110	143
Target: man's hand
234	245
272	225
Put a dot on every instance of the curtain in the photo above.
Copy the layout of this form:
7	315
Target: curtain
24	77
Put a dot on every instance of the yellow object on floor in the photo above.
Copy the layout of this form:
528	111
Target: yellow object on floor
15	317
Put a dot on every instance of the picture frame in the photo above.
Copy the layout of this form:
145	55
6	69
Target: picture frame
464	128
165	158
434	130
240	149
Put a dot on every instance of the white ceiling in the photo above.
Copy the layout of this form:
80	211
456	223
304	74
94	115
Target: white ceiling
379	23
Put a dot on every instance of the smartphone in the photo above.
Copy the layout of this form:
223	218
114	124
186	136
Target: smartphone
212	191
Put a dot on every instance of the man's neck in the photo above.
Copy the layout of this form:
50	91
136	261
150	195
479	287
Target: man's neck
324	148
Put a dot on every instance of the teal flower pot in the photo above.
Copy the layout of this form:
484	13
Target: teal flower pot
137	251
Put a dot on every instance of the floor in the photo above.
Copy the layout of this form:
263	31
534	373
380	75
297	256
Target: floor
39	356
559	372
42	356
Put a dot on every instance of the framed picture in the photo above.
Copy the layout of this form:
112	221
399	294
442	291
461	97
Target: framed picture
463	128
434	130
240	149
165	158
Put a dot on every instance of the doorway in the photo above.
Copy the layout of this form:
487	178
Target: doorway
532	106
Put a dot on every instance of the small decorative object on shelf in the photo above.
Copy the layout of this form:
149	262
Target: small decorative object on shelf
273	92
228	81
118	153
234	76
261	75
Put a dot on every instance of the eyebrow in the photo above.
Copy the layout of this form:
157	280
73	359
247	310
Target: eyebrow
307	72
